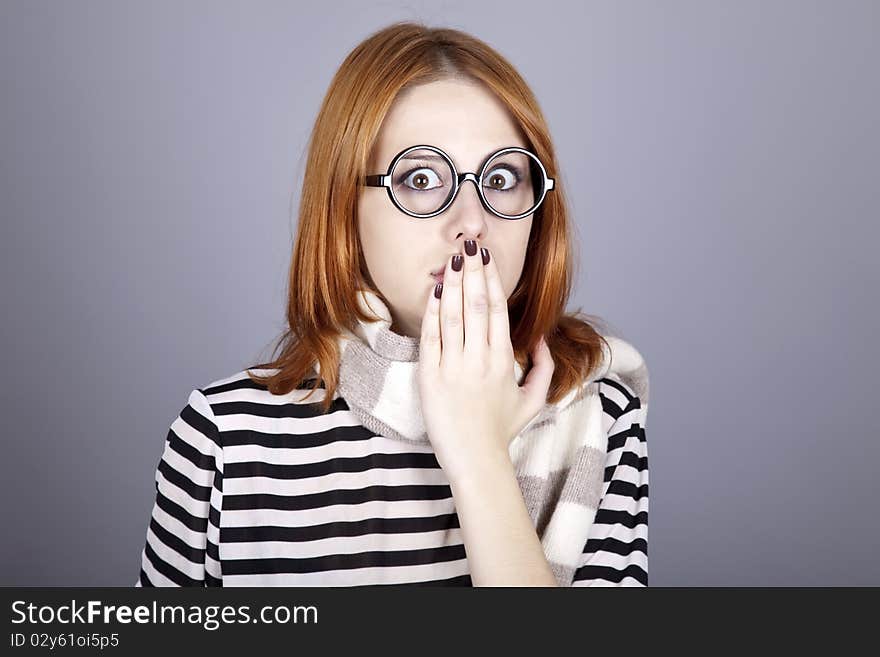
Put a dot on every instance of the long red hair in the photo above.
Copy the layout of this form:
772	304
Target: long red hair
327	266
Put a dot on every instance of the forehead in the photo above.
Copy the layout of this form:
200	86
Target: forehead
464	119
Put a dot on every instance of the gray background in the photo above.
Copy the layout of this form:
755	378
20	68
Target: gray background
722	164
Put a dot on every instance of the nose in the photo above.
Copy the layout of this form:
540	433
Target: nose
473	201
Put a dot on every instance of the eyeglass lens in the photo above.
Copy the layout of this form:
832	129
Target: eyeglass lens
422	182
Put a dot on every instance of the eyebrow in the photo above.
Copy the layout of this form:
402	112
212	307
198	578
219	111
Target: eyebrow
436	158
430	156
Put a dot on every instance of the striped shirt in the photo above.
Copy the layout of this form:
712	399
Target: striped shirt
256	489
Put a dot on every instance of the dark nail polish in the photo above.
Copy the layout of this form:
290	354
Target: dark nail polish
438	290
470	247
485	253
457	262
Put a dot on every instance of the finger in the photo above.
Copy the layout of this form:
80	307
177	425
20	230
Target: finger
430	344
538	380
451	318
475	300
499	321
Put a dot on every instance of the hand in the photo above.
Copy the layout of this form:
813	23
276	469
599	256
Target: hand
471	403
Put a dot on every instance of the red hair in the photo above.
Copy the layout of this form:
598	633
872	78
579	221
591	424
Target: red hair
327	266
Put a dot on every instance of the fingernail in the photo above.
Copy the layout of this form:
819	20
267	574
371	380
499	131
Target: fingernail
485	253
457	262
470	247
438	290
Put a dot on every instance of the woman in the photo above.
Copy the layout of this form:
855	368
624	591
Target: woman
434	416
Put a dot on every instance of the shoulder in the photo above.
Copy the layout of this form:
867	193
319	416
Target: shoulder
624	364
250	401
617	396
623	409
240	386
622	382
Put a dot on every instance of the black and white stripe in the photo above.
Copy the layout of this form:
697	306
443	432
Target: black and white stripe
255	489
616	552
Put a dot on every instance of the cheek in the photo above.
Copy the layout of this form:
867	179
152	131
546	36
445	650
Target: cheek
509	277
372	226
386	241
513	265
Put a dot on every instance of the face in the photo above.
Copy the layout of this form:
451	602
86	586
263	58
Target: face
468	123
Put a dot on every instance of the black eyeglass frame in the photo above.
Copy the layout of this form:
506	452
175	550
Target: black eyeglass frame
384	180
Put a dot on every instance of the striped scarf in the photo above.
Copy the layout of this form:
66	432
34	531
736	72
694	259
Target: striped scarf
559	457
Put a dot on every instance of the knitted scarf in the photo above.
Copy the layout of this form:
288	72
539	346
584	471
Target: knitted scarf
559	457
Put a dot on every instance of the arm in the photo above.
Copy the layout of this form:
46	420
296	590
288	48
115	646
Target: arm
502	546
616	550
182	537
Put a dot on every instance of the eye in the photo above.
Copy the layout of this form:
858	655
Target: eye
420	179
502	178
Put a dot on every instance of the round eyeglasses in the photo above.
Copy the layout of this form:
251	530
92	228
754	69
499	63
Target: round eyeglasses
422	182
